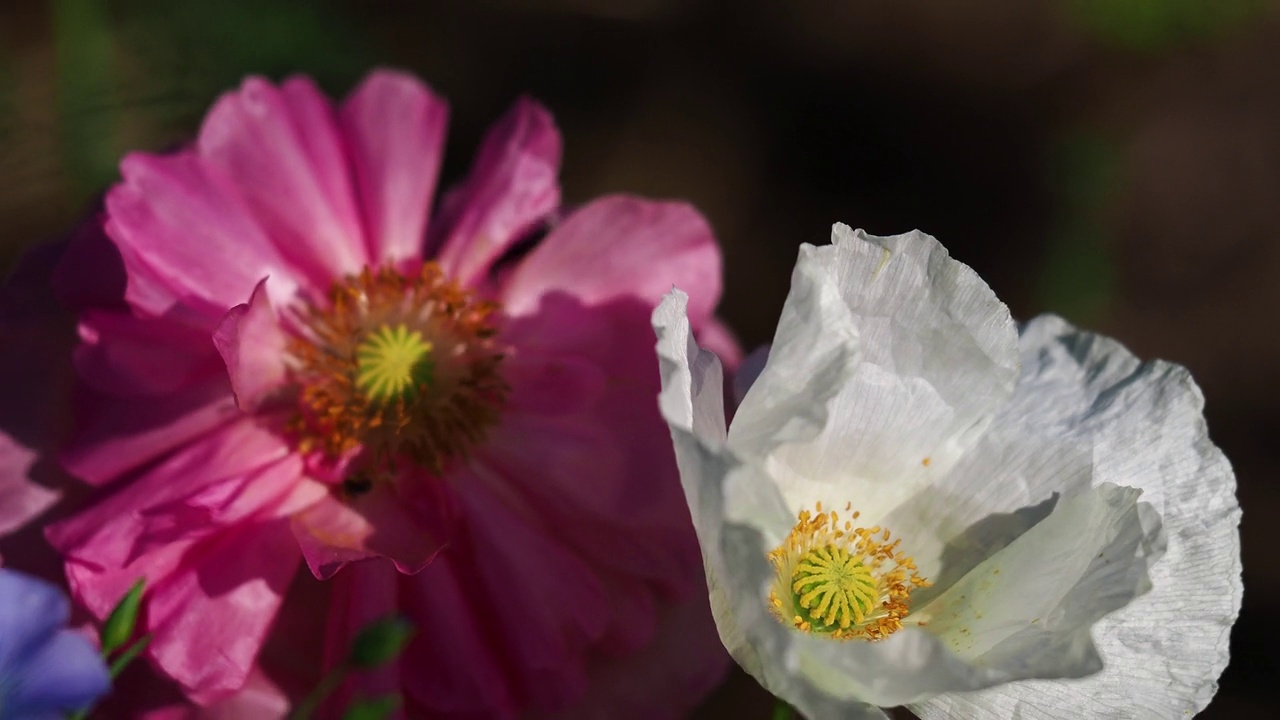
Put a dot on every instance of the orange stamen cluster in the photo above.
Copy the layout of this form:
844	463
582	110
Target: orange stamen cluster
842	581
436	409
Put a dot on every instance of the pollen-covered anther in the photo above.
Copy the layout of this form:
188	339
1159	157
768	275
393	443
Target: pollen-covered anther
403	366
842	581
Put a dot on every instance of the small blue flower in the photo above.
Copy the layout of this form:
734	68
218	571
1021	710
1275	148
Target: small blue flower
46	670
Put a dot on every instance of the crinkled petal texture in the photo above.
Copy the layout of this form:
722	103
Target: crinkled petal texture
550	554
1163	653
574	589
46	671
281	194
893	384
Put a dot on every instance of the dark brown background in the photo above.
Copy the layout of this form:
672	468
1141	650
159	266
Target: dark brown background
1116	161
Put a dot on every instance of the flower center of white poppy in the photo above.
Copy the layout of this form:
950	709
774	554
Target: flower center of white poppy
841	581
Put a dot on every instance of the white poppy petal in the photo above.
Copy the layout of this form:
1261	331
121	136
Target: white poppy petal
1028	608
938	358
692	395
1163	653
813	353
891	384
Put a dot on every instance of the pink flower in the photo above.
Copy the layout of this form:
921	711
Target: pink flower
453	419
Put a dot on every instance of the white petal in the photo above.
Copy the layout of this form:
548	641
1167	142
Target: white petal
1163	653
938	358
813	354
692	396
1028	608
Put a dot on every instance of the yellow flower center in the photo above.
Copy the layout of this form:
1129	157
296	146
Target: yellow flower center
841	581
832	589
393	362
403	367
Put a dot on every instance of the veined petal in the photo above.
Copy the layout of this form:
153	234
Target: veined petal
282	151
190	244
938	358
394	126
1028	608
1163	653
512	185
814	352
623	247
210	616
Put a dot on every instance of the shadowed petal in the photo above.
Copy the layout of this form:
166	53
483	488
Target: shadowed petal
512	185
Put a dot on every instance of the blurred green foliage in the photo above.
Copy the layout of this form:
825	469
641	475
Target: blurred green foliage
1155	25
1078	278
129	71
84	48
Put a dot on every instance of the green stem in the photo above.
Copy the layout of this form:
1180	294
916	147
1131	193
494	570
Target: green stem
782	711
128	654
311	702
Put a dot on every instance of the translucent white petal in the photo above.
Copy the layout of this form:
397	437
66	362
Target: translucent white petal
1027	609
1144	427
938	358
692	396
739	516
814	351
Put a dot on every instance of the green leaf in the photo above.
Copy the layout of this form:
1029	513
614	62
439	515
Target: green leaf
372	708
380	641
119	626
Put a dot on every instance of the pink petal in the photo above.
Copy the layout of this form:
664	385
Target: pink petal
362	593
20	499
619	247
562	607
104	538
283	152
121	354
253	346
258	698
189	243
511	187
632	515
552	384
408	520
209	618
115	435
451	670
664	681
630	519
633	615
394	126
276	490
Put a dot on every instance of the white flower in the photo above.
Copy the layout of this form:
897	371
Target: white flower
1046	529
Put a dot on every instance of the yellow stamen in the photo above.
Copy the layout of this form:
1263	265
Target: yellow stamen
393	362
841	581
405	367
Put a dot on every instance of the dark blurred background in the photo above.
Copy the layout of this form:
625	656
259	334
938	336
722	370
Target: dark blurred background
1114	161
